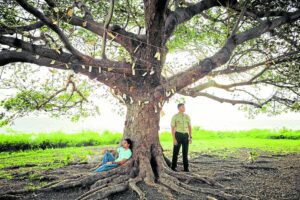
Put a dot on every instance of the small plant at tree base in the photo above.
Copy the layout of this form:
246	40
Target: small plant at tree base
253	155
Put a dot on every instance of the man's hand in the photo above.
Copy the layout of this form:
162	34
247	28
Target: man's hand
110	162
175	142
190	140
103	150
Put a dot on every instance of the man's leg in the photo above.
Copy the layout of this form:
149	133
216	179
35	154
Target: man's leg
108	156
176	149
185	149
106	167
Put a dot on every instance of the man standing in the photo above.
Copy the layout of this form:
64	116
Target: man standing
182	134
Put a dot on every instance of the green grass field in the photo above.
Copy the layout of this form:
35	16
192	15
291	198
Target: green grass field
281	141
15	141
53	150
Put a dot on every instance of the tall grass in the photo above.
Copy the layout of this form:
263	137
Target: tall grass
15	141
24	141
279	141
200	134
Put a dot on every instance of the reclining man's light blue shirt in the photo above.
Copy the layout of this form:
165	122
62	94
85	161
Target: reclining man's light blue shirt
123	153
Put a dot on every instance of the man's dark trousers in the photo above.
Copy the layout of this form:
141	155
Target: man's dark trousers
182	139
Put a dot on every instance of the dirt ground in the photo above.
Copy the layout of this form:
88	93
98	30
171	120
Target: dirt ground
266	177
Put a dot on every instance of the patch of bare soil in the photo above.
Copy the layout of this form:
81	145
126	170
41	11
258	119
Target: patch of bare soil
267	177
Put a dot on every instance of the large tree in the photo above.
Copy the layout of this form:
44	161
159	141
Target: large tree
242	47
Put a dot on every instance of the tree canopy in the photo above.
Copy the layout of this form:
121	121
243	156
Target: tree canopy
244	52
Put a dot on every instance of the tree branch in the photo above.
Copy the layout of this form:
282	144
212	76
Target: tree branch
105	65
109	79
107	22
181	15
235	69
213	83
54	27
127	39
12	30
74	89
87	13
155	11
204	67
231	101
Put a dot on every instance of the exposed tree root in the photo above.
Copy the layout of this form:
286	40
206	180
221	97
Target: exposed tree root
106	191
187	176
105	183
91	178
176	186
85	180
259	167
146	171
171	180
134	187
163	190
154	172
9	197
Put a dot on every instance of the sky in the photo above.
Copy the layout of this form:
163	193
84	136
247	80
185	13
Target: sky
204	112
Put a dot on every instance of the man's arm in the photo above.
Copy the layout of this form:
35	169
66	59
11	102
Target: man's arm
121	162
173	134
190	128
190	131
110	149
173	125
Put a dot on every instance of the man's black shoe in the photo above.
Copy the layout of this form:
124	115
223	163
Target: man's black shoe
175	170
186	170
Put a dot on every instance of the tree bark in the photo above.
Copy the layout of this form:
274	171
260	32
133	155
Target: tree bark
142	127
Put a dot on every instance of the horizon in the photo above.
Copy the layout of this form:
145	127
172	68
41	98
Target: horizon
215	118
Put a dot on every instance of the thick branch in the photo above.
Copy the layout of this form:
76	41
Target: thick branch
231	101
195	91
155	20
181	15
13	30
205	66
7	57
235	69
107	65
109	79
127	39
213	83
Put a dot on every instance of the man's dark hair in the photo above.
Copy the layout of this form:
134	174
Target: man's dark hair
129	141
180	104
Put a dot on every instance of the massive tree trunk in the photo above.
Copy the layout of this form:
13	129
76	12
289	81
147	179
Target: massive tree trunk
142	126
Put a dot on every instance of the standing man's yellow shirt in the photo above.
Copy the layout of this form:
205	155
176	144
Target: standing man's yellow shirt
181	122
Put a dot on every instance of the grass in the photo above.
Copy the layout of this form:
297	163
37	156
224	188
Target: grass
48	158
44	159
222	143
281	141
15	141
